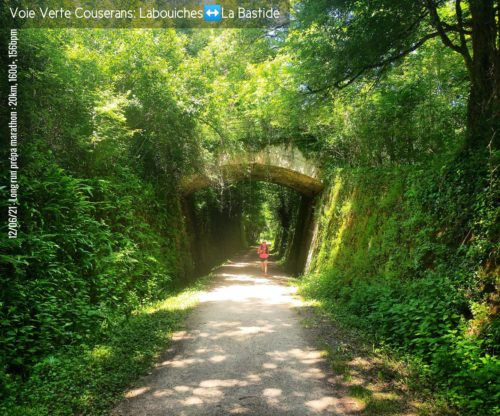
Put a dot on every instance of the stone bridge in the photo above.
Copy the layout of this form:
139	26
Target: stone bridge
284	165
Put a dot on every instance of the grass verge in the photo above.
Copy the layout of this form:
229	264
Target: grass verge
88	380
379	380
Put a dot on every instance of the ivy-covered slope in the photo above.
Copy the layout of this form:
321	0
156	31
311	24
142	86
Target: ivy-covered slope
408	255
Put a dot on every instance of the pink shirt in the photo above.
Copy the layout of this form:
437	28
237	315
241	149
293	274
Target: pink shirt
263	251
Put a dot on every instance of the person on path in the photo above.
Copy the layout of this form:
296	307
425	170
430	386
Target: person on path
263	252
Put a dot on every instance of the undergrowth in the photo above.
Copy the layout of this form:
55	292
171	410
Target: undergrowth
408	256
89	379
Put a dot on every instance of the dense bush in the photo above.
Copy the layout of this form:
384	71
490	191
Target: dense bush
99	232
88	379
409	256
89	249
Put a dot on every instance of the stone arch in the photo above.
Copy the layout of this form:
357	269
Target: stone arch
283	165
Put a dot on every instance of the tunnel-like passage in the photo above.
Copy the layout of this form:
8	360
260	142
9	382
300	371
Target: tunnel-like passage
283	166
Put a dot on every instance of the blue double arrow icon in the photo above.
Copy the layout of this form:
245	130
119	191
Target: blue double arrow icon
212	13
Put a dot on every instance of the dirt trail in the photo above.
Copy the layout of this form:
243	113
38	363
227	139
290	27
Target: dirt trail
244	352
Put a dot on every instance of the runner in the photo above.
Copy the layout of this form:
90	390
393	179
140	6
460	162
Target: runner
263	252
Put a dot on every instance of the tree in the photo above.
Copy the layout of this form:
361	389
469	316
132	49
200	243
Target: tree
357	38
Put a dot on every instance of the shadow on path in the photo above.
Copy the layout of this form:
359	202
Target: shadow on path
244	352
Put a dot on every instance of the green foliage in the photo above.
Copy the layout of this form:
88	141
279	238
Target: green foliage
90	248
99	236
408	256
270	213
88	379
349	36
411	114
112	120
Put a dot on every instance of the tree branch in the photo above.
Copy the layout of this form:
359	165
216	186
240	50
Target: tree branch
463	42
456	28
442	29
497	11
349	79
214	128
438	24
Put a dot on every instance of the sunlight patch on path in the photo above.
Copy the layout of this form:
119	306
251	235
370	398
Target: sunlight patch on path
243	352
256	288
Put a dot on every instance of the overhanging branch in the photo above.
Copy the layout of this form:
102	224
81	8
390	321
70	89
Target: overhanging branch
348	80
463	42
438	24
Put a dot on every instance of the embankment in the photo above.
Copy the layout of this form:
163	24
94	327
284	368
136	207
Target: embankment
408	255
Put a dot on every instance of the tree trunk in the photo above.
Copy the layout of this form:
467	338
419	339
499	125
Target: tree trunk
483	118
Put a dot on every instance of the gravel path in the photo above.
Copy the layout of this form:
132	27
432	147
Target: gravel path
244	352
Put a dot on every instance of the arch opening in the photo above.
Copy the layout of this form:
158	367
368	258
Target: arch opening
222	221
214	223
